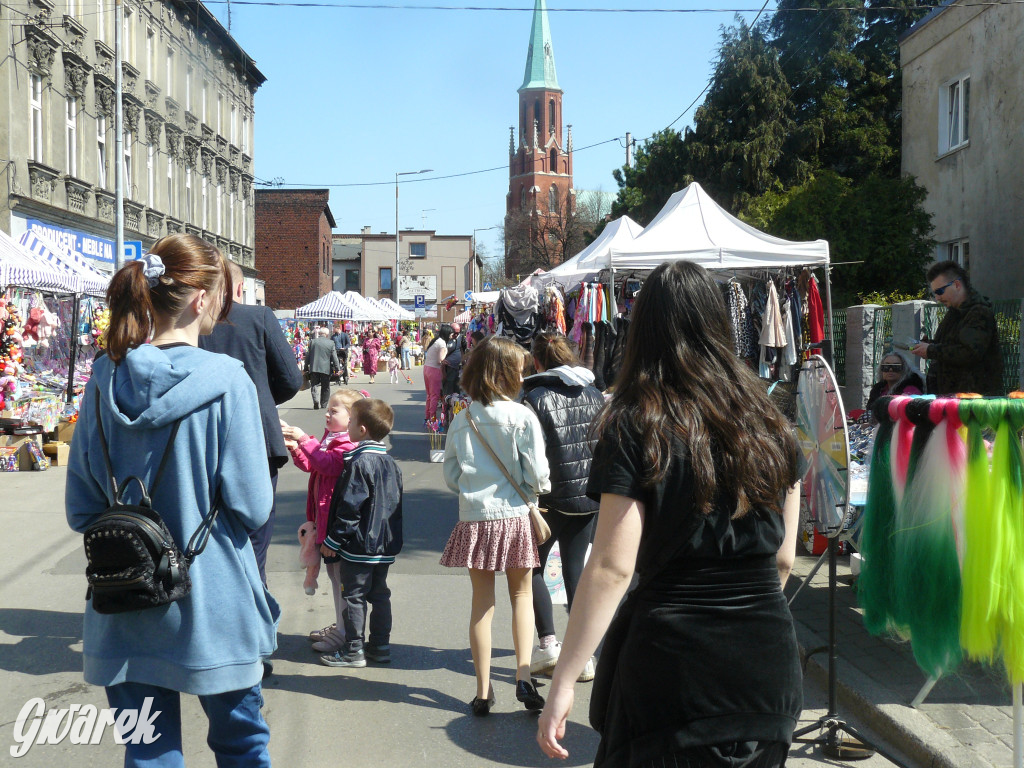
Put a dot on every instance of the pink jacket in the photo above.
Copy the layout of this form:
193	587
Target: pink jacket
324	467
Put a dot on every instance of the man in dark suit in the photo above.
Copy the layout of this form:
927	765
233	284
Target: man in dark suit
321	362
253	335
342	344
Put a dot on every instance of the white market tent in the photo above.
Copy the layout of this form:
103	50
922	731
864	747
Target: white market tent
19	267
401	314
93	282
364	309
484	297
379	305
592	259
331	306
693	227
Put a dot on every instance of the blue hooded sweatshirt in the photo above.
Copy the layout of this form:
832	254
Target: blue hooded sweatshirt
214	639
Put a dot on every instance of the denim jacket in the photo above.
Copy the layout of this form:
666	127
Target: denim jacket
514	434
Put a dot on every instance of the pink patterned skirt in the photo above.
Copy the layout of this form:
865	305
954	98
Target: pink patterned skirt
492	545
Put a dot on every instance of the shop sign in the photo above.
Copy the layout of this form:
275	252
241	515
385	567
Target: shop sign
90	246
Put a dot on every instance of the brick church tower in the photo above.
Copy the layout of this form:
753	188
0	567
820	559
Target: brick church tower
540	193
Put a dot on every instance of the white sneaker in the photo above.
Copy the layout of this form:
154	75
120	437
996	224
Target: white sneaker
331	643
544	659
588	673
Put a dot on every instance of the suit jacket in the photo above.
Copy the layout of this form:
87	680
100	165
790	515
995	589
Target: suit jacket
321	357
253	335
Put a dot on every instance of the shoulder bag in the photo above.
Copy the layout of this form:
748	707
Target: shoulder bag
133	560
541	529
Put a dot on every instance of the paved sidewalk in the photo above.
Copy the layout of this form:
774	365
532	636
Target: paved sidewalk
966	721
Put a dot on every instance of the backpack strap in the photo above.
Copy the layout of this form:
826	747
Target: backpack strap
110	469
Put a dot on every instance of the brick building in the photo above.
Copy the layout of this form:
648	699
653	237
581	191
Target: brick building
293	245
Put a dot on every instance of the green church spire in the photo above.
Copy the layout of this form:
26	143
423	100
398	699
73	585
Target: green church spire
540	61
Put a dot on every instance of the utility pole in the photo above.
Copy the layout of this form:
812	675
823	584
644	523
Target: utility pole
629	149
118	137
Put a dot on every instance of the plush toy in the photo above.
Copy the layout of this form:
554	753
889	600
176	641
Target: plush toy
309	556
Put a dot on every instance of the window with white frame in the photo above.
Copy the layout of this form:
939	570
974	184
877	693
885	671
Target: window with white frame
101	21
128	140
150	54
151	175
35	96
170	73
245	134
231	214
219	204
233	125
958	251
188	89
128	35
220	114
954	114
171	207
71	135
188	193
417	250
101	151
202	106
205	204
244	205
74	8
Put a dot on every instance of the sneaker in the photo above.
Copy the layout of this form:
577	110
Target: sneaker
588	673
339	659
319	634
334	641
526	692
378	654
544	659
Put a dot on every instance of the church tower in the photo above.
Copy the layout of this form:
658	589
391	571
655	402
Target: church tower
540	191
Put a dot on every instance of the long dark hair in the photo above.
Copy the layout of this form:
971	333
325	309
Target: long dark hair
444	334
680	378
191	264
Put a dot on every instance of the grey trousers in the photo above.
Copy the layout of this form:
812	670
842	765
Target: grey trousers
366	583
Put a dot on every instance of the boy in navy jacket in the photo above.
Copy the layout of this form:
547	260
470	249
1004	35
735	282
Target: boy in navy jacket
365	529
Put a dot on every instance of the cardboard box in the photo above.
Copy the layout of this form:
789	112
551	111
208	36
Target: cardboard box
58	453
64	431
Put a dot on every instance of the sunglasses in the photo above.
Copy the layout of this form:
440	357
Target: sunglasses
891	368
941	290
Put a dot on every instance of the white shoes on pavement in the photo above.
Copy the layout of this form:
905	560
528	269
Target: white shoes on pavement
545	659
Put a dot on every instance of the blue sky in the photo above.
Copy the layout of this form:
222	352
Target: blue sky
354	95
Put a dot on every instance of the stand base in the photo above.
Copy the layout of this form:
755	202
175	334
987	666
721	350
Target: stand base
834	745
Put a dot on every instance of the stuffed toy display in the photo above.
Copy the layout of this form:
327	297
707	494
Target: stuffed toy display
309	556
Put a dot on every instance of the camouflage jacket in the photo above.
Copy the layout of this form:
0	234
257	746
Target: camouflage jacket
965	354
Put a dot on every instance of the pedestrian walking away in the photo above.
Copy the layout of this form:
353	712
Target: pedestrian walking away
432	359
342	345
211	642
253	335
494	531
563	395
694	469
321	361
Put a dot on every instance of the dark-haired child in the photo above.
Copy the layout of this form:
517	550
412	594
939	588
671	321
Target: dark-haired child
365	529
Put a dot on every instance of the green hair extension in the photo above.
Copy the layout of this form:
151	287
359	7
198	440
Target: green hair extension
875	585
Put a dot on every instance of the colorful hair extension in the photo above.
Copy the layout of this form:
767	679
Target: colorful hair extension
926	568
978	621
1011	545
875	585
902	437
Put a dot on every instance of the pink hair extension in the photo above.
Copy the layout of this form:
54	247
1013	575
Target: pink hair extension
902	437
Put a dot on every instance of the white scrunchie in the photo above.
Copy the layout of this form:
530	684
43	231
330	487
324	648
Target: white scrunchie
153	268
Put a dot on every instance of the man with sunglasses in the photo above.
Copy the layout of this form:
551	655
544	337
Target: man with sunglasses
965	354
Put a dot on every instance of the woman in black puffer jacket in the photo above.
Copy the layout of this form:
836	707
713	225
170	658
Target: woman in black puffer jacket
566	402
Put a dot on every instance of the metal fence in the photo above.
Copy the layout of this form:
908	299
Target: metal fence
882	336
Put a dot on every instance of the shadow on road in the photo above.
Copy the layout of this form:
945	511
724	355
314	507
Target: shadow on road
46	640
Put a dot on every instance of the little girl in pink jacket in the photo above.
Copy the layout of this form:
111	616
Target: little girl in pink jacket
324	459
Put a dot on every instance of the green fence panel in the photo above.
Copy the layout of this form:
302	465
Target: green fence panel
882	335
839	347
1008	321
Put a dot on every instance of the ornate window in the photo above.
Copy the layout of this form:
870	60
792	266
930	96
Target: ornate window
171	207
188	193
101	151
553	199
554	160
71	135
101	21
151	175
128	139
205	204
551	115
35	96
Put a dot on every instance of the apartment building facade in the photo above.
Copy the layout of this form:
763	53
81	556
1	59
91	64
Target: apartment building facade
188	104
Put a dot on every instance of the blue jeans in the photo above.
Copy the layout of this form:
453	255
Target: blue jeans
238	734
406	358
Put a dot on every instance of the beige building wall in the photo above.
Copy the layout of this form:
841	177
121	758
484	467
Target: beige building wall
976	189
447	259
188	94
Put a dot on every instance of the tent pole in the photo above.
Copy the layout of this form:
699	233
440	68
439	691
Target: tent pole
73	344
828	316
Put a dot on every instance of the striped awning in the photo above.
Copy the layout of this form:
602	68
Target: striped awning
464	317
329	307
19	267
67	261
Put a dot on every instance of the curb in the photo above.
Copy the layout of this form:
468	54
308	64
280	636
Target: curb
906	729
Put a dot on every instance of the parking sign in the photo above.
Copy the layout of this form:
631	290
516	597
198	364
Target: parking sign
421	301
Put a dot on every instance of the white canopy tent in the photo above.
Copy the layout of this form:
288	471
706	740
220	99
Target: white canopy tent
364	309
401	314
693	227
385	308
587	263
331	306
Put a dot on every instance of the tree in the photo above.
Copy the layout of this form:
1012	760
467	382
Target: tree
543	240
878	224
659	170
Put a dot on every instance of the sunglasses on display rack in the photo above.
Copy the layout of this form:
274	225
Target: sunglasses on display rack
891	368
941	290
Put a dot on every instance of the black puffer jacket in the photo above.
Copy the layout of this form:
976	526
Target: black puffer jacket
566	402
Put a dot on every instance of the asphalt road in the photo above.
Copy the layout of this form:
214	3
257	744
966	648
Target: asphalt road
414	712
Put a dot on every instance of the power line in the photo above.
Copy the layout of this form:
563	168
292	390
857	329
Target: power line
510	9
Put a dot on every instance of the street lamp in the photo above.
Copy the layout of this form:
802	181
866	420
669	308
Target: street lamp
472	269
394	277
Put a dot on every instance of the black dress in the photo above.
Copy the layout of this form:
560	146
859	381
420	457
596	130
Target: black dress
708	673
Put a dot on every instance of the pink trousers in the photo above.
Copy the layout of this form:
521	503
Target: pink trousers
432	380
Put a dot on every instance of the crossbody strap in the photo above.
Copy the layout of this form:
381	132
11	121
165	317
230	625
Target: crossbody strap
497	461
